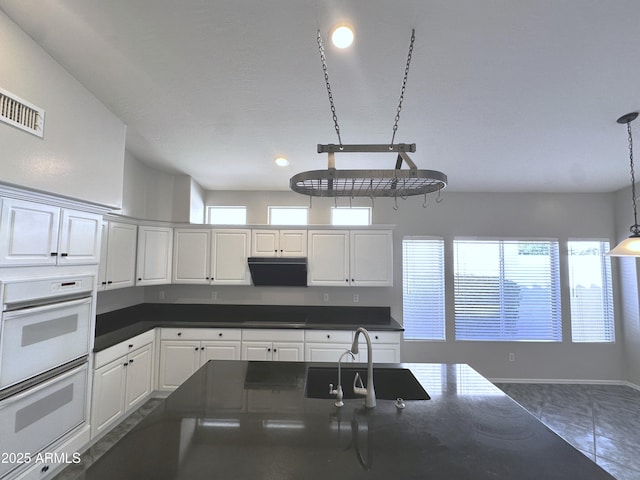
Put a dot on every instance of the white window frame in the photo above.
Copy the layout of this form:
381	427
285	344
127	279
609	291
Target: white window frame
218	208
283	209
507	300
423	288
591	292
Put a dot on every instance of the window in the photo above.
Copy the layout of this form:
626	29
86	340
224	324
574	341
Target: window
591	291
423	288
288	215
350	215
227	215
507	290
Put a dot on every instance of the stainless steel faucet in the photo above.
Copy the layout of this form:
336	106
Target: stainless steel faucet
338	391
369	392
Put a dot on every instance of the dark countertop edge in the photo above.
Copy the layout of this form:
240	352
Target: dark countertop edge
125	331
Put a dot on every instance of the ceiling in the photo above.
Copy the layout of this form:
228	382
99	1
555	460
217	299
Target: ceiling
502	95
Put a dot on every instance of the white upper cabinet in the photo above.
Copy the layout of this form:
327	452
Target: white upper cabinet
37	234
155	249
191	250
118	267
211	256
279	243
362	258
371	254
328	258
229	252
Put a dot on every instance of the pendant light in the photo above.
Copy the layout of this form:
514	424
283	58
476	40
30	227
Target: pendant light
631	246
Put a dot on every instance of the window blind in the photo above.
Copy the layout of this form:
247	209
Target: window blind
423	288
591	292
507	290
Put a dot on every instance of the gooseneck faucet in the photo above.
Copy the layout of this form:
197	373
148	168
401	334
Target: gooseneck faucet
369	392
338	391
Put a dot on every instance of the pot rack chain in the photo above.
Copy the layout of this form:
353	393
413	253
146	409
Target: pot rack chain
635	228
404	85
323	59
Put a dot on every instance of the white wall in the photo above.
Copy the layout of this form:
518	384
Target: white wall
82	152
148	193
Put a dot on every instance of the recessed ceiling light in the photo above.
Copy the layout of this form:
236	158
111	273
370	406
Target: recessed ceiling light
281	161
342	36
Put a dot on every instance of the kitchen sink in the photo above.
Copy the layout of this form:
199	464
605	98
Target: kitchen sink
389	383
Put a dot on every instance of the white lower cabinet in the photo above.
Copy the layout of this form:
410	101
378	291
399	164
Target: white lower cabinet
122	380
273	345
183	351
327	345
386	347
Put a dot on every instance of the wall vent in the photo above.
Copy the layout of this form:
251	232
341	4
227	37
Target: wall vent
21	114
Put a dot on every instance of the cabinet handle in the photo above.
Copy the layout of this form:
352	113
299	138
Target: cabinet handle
220	334
197	348
201	348
64	254
125	364
346	280
45	468
131	345
139	279
179	334
376	337
109	282
275	350
352	280
130	361
103	283
268	349
328	336
54	254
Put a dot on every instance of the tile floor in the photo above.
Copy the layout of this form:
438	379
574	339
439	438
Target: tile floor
602	421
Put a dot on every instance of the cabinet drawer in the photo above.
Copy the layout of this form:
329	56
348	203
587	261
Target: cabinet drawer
201	334
272	335
123	348
382	337
329	336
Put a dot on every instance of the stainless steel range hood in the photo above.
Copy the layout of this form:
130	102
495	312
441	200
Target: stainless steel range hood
278	271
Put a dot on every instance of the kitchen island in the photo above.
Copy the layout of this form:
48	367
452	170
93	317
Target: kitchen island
251	420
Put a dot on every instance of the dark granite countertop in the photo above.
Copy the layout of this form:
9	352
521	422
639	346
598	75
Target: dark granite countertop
218	425
120	325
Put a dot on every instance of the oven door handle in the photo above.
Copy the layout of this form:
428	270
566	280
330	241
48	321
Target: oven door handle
44	304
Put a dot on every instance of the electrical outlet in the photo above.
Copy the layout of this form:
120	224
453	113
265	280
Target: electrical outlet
214	295
326	297
161	294
356	298
512	357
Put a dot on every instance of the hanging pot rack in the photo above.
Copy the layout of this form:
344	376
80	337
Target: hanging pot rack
371	183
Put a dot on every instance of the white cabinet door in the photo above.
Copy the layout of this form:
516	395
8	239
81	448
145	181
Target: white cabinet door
257	351
191	256
229	251
139	375
80	238
288	351
154	256
178	361
385	345
326	352
293	243
102	268
371	258
121	255
265	243
328	258
109	383
28	233
230	350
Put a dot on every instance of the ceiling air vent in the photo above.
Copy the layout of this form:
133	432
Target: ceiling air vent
21	114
